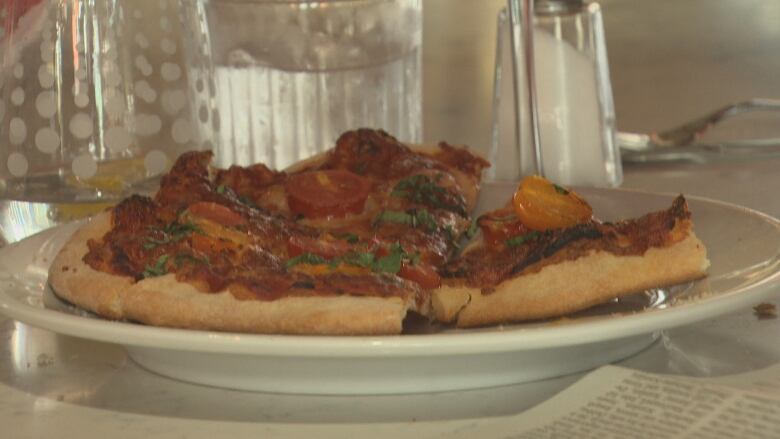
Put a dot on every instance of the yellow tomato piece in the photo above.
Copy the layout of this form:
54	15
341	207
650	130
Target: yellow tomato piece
542	205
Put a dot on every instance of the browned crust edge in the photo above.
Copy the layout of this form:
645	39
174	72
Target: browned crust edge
571	286
163	301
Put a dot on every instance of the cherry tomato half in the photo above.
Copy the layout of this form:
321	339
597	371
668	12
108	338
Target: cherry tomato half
330	193
542	205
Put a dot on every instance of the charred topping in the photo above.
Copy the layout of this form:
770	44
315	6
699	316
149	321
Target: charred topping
487	266
156	236
462	159
423	189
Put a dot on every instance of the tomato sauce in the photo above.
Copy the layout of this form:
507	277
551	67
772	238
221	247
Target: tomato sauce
231	229
530	251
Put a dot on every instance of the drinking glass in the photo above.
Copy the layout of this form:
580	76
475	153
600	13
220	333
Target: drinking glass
292	75
97	98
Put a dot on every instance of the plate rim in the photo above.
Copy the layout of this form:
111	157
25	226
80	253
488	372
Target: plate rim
501	338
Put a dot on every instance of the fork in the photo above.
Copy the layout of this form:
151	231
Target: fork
687	133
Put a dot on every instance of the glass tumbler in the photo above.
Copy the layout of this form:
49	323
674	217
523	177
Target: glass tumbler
97	98
292	75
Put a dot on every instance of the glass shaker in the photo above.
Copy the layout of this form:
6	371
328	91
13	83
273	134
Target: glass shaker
575	109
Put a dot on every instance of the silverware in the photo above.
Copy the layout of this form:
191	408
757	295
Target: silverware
706	152
685	135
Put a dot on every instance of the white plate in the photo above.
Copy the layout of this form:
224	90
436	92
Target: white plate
744	248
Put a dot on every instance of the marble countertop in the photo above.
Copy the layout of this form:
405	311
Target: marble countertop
53	385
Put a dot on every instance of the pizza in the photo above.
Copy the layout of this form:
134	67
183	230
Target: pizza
345	243
353	240
545	255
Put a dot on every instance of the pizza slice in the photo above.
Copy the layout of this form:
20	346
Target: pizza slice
345	243
543	255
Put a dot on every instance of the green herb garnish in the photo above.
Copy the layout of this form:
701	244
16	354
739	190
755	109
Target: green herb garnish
349	237
424	218
158	269
560	189
221	189
413	218
423	189
394	216
390	263
472	230
172	232
360	259
305	258
521	239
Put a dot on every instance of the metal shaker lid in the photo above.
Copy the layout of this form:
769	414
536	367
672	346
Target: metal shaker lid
555	7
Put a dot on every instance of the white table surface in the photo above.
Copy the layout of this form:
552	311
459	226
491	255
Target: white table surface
58	386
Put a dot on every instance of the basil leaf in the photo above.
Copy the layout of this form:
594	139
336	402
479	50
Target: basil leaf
560	189
414	218
389	264
176	229
365	259
172	232
521	239
424	190
473	229
305	258
158	269
425	218
153	243
351	238
394	216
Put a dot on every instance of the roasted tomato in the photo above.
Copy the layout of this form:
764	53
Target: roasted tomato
210	245
499	225
542	205
328	248
423	275
330	193
216	213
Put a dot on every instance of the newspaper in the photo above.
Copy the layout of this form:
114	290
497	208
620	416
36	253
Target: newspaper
615	402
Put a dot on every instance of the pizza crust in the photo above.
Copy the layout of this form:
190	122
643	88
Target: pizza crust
570	286
80	284
163	301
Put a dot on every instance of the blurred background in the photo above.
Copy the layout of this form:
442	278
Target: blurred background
670	61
